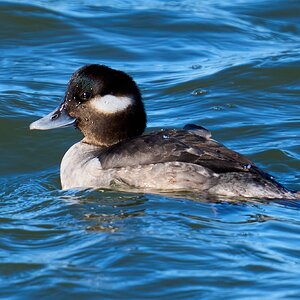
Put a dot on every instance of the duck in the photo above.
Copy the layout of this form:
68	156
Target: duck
106	105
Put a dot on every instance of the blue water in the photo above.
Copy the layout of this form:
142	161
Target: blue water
230	66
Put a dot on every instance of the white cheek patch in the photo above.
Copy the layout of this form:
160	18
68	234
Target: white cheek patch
110	104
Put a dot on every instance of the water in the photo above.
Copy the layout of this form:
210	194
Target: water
231	66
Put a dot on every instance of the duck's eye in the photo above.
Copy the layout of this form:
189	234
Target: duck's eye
86	95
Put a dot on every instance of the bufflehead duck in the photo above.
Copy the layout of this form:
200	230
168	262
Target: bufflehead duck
106	105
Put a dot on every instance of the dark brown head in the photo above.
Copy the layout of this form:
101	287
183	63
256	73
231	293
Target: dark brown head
105	104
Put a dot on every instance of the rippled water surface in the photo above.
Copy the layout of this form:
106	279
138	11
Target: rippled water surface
231	66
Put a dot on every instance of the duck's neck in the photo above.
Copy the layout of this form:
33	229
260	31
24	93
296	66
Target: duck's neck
108	129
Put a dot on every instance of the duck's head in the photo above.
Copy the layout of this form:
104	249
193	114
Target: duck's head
105	104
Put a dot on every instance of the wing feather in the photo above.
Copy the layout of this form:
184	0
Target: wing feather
175	145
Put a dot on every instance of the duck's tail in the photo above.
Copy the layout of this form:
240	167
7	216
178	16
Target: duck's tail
290	195
296	195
